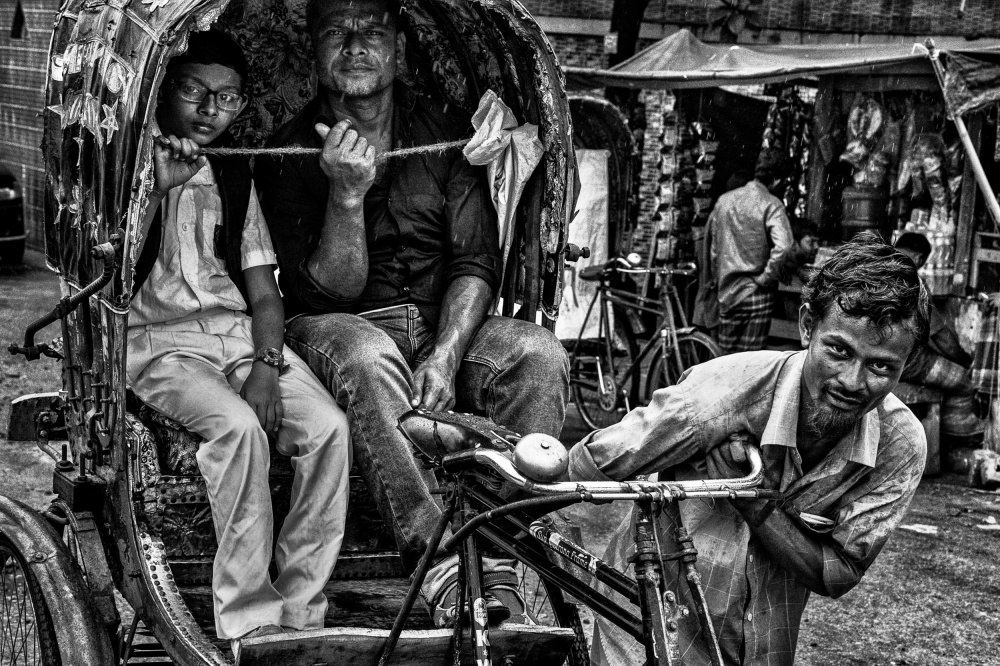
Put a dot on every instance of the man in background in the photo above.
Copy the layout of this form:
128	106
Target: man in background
747	234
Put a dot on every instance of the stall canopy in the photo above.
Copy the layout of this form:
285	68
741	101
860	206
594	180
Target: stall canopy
683	61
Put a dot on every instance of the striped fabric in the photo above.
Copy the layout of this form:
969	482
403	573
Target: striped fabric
744	327
986	360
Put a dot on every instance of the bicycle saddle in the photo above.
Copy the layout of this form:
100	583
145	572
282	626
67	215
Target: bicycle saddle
438	433
591	273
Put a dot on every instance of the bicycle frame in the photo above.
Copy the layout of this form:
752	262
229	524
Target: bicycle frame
483	512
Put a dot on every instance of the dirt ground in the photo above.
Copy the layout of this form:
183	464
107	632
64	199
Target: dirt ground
932	598
26	293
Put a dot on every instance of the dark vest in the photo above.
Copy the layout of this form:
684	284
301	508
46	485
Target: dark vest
234	179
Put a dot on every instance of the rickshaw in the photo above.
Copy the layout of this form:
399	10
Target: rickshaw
131	517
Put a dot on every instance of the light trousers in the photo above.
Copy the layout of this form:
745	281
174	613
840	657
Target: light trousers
191	371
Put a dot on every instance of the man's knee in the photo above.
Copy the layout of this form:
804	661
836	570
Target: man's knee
342	343
540	348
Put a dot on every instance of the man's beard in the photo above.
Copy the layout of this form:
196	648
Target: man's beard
827	423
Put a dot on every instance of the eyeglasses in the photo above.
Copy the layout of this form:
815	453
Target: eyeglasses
194	92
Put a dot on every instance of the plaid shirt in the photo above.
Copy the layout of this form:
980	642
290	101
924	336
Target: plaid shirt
864	486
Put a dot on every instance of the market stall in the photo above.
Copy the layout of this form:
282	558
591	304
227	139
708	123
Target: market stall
887	137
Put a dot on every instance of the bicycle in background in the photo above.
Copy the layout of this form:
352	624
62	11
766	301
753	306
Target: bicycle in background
606	371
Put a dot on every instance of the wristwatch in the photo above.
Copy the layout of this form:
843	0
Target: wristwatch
272	357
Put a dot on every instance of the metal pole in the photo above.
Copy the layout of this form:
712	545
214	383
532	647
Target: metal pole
963	133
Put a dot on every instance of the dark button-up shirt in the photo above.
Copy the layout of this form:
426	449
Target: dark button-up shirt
862	487
429	218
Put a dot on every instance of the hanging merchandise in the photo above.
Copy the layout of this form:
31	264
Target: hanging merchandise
926	170
787	130
680	182
864	125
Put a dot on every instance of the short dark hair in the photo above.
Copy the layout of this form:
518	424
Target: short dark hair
803	228
392	9
772	165
914	241
867	277
213	47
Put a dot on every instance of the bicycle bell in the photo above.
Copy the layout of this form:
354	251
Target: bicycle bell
541	457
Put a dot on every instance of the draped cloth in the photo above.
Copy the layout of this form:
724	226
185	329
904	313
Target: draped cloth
510	153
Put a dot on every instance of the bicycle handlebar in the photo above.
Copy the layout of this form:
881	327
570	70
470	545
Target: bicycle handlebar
620	265
686	269
743	487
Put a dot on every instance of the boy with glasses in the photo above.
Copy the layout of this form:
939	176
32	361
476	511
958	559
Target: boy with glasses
196	356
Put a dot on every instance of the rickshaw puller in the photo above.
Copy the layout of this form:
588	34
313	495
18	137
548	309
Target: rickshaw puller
845	453
393	271
196	356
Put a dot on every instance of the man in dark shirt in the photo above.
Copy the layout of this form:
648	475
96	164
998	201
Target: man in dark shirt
393	267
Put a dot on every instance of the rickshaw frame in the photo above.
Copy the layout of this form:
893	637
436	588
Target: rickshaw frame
106	60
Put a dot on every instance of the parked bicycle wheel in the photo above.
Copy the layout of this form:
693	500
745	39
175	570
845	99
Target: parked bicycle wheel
593	367
27	637
693	348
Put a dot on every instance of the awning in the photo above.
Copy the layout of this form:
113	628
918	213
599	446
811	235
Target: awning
684	61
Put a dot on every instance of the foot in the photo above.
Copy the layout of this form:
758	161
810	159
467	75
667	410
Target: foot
504	586
263	630
503	602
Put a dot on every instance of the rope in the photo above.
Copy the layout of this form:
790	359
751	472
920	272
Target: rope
299	150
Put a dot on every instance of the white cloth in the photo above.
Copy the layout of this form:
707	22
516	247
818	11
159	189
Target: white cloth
191	371
589	228
187	276
510	154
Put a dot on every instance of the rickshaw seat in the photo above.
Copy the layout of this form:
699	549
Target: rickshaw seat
175	499
438	433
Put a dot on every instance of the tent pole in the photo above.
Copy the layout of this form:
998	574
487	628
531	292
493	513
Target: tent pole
963	133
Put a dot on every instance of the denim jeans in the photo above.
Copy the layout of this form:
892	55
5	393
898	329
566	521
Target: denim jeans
513	372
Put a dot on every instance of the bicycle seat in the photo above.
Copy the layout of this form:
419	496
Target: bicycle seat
592	273
438	433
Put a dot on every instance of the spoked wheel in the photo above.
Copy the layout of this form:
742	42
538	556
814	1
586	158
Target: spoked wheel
547	604
693	348
27	636
598	380
79	535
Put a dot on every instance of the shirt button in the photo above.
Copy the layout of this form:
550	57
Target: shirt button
751	558
184	227
406	289
749	617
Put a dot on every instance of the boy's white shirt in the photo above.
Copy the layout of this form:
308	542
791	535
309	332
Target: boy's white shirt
187	278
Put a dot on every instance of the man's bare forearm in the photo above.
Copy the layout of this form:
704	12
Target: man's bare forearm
463	310
339	263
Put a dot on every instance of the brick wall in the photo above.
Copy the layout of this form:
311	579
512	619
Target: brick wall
22	93
981	18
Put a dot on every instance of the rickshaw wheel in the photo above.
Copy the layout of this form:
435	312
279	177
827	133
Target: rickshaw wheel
548	607
27	635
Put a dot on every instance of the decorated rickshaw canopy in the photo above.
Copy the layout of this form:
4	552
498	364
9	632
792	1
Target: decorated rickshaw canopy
108	57
683	61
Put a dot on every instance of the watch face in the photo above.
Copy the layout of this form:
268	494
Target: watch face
271	356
